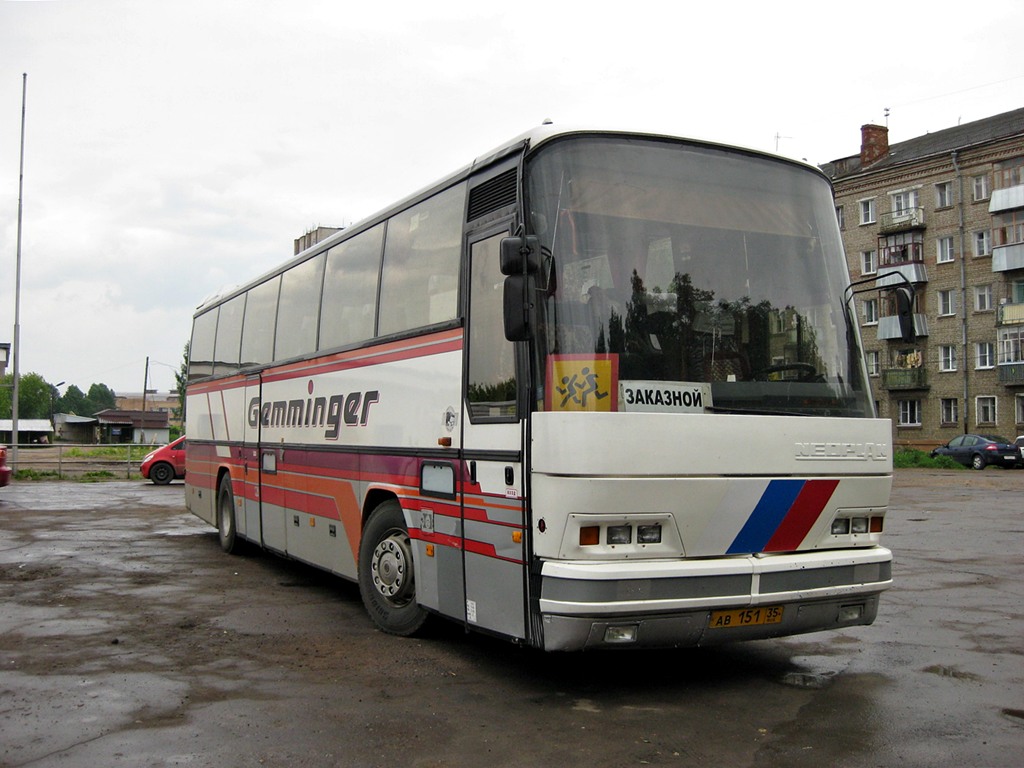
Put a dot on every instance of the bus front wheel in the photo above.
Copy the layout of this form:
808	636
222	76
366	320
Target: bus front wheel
386	580
226	530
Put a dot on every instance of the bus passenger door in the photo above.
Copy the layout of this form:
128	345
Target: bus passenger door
251	527
493	507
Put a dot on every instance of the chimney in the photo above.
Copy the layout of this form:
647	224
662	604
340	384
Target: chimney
874	143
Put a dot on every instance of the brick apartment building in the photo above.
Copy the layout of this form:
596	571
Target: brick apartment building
945	210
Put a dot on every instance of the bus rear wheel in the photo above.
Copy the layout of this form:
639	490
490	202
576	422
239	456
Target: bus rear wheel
226	530
386	580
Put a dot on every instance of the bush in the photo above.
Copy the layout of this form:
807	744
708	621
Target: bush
911	458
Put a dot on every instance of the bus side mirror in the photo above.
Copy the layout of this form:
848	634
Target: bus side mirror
520	255
519	307
905	314
520	263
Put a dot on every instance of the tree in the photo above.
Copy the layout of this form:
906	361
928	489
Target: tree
73	401
180	381
100	398
33	397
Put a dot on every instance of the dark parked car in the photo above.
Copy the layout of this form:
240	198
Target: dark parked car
978	451
166	463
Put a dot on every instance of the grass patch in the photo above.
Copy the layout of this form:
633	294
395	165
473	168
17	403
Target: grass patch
109	452
95	477
911	458
35	474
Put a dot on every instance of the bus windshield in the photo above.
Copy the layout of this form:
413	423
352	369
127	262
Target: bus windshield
687	277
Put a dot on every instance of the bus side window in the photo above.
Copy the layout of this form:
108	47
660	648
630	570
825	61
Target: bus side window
421	263
349	305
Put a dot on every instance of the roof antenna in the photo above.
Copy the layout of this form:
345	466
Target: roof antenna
886	117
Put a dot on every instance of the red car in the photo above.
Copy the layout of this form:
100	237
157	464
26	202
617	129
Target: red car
5	471
166	463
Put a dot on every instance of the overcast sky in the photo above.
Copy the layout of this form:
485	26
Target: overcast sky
174	147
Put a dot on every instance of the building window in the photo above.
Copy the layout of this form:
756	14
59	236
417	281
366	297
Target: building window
944	250
1008	228
947	303
947	357
982	243
985	409
874	360
840	217
944	194
1009	173
910	413
1009	344
1017	292
983	298
868	262
1018	407
871	311
950	407
984	355
867	211
980	185
904	202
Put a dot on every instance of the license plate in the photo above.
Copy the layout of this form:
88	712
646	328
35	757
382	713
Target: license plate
745	617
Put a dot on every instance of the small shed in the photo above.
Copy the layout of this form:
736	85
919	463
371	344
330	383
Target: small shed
29	431
140	427
71	428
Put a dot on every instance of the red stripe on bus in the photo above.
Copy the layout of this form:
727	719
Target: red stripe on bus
802	515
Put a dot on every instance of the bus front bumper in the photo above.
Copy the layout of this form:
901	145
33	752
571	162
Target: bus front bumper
704	602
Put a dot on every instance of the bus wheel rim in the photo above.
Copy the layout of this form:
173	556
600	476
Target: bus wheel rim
390	567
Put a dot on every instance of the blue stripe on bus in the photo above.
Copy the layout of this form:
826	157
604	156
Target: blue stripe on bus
769	513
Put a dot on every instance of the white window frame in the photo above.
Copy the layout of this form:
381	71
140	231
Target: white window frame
840	217
949	410
1018	407
947	358
874	361
866	208
944	194
869	262
870	309
986	405
909	413
1011	344
979	185
984	355
903	202
947	303
945	250
983	298
982	243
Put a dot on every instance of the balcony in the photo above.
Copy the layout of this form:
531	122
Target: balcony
1008	257
889	327
901	221
1011	374
1006	199
1011	314
905	378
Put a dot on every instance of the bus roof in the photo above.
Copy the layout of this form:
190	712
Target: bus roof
527	141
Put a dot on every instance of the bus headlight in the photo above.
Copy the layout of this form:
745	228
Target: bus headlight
620	534
648	534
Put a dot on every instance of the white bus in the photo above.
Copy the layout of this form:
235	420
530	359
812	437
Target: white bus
594	389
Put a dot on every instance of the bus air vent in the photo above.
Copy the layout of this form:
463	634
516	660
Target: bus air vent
494	194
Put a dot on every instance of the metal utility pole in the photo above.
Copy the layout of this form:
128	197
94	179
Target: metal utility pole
17	285
145	384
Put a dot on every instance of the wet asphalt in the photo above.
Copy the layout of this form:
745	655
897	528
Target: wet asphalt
127	638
